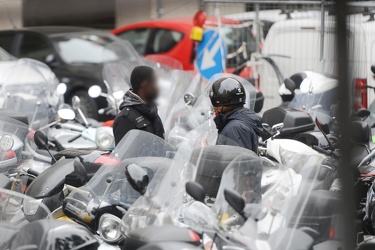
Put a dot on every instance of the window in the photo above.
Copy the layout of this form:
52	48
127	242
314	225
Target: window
90	48
138	38
6	41
35	47
165	40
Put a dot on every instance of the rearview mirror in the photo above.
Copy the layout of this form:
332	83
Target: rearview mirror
50	60
362	113
76	102
373	69
189	99
137	177
195	190
66	114
235	200
61	88
78	177
95	91
40	139
324	127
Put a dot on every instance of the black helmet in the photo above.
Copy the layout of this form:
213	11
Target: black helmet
227	91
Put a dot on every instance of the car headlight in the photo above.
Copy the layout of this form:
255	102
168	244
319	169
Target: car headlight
30	207
110	228
104	138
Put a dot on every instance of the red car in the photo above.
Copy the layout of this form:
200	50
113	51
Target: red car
170	37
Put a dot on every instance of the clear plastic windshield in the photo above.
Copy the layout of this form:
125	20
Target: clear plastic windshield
110	185
29	88
310	207
249	88
116	73
13	206
163	61
315	103
166	200
165	194
188	107
13	135
244	176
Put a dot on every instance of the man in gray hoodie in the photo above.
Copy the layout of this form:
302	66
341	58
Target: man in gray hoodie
138	110
236	124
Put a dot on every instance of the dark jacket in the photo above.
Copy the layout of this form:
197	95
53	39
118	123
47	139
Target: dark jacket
135	114
240	127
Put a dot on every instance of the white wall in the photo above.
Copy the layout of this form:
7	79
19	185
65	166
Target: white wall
130	11
10	14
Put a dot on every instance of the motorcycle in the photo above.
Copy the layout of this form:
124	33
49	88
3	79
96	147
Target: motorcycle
139	158
45	233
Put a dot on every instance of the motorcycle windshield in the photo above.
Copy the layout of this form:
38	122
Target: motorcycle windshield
249	88
244	175
316	104
13	135
13	208
309	176
165	194
116	73
187	106
30	89
158	61
110	185
311	208
166	199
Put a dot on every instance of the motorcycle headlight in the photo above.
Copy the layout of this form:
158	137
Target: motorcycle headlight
30	207
110	228
118	95
105	139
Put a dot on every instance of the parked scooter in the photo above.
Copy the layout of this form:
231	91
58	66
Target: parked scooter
100	204
45	233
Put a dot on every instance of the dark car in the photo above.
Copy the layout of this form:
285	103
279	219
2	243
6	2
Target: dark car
75	55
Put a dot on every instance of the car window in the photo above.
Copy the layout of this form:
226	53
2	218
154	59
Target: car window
35	47
165	40
138	38
6	41
81	48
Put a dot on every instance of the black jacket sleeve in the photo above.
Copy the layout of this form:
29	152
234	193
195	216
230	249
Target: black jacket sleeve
121	126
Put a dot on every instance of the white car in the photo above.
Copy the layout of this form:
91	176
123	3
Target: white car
295	46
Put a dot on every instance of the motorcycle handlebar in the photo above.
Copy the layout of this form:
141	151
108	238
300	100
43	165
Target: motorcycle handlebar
321	150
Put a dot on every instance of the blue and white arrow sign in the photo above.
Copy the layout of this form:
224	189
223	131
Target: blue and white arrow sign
211	54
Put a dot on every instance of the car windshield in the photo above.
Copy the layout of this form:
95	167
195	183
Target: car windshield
88	48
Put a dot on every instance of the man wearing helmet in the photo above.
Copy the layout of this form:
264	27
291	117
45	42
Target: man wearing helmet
237	125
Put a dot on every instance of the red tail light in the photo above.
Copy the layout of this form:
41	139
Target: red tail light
31	134
360	95
332	232
10	154
194	236
107	160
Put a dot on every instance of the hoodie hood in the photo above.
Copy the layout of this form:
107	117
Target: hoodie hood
250	118
131	99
